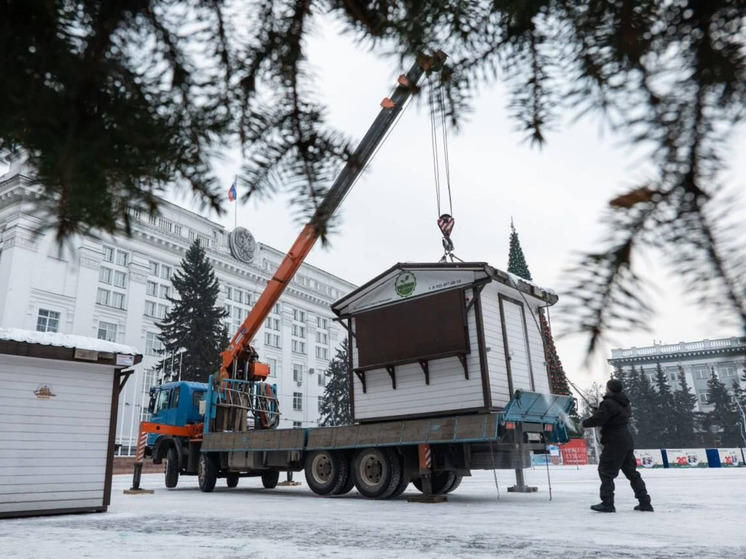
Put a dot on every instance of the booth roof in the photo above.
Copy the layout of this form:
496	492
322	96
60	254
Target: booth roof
65	340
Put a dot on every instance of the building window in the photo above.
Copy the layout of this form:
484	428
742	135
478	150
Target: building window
704	397
162	311
107	331
272	340
120	279
726	371
165	291
108	254
103	296
701	373
299	331
322	323
150	309
322	352
298	401
321	380
228	292
151	289
297	425
298	373
298	346
322	338
117	300
272	366
299	315
277	309
47	321
272	323
104	275
153	346
123	258
154	268
165	272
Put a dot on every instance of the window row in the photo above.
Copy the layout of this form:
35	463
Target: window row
160	270
112	277
110	298
116	256
154	289
234	294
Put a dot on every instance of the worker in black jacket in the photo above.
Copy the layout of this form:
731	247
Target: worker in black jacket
618	448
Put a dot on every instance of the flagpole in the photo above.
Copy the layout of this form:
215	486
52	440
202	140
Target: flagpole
235	206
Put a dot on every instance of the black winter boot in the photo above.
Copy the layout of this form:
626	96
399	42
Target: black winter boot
604	507
645	507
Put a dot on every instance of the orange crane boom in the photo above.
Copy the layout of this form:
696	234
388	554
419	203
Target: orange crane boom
239	349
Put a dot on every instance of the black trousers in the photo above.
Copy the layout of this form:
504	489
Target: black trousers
612	460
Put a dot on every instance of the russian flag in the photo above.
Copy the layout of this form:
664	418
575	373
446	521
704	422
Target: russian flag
232	192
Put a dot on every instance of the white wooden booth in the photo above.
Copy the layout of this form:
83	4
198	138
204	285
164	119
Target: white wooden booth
58	407
436	339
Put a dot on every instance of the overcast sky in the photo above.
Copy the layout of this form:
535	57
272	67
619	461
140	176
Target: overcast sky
556	197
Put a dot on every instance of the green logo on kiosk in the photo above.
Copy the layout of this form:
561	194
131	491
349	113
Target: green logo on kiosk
405	284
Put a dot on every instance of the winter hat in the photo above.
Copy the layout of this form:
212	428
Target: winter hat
614	385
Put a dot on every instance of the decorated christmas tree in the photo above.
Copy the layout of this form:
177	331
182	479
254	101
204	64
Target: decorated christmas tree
517	266
516	261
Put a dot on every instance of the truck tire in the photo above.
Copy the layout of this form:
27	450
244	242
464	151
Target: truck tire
207	472
377	472
270	479
171	467
456	483
441	482
231	479
323	469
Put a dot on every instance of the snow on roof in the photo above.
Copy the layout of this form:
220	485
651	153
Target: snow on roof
65	340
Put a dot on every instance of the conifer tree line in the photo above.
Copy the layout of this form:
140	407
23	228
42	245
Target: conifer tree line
665	418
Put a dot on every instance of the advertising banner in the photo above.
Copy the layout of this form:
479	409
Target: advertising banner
574	452
649	458
687	457
730	457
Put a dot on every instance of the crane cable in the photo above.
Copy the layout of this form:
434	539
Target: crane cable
445	220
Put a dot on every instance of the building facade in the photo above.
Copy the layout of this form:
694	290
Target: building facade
725	356
116	288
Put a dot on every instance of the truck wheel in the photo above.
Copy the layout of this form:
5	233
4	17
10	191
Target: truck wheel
441	482
171	468
207	472
323	469
377	472
231	479
269	479
456	483
345	482
403	483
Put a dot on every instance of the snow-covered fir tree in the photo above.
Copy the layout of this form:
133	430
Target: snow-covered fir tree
721	424
193	328
335	407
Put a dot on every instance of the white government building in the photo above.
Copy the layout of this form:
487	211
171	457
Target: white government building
726	357
115	289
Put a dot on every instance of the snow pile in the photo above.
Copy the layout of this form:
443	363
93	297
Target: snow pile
65	340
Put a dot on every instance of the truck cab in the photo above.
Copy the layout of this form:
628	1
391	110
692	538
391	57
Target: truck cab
174	404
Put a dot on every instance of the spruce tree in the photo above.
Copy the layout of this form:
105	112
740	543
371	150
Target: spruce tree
194	325
558	383
684	418
643	400
663	410
335	407
722	421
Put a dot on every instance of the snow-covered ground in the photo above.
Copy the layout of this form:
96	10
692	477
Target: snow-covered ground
698	513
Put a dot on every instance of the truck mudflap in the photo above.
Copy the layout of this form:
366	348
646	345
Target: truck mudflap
535	407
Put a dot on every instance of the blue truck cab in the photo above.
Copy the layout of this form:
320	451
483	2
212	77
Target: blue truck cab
174	404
